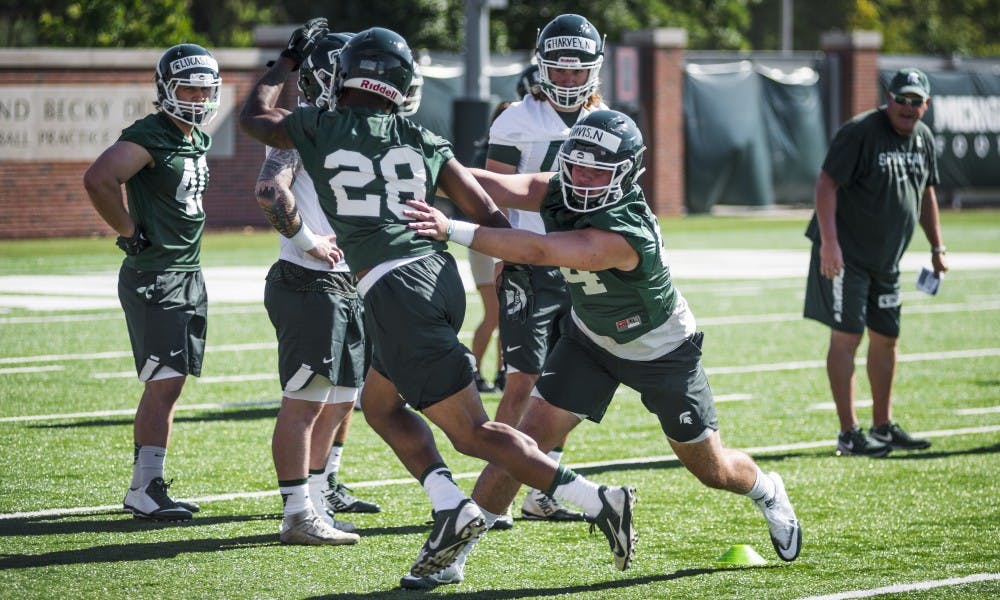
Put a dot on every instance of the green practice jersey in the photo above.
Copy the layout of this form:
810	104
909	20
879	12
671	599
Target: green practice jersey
622	305
366	164
881	177
166	198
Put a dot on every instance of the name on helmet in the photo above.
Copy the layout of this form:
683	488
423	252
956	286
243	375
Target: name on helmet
192	62
377	87
567	42
596	136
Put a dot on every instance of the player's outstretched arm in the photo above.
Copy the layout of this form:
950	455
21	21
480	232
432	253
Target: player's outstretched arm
586	249
260	117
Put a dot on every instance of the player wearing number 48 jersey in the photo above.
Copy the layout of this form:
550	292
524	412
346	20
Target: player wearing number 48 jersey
161	159
629	325
367	161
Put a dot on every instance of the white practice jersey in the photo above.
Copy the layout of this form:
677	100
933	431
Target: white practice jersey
537	131
307	202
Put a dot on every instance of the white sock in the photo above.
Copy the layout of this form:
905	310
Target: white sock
443	492
556	455
295	497
317	486
333	461
580	492
148	465
763	488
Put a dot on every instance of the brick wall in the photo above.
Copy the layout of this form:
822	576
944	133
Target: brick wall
47	198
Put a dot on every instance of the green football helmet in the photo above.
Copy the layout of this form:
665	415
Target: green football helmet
377	61
569	42
319	68
604	140
192	66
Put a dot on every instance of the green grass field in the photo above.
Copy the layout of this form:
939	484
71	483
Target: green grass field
927	523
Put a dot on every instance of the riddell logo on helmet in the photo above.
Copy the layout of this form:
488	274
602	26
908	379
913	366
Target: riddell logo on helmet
377	87
191	62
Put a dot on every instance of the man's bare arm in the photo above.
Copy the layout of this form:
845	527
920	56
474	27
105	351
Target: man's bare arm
260	117
104	178
274	191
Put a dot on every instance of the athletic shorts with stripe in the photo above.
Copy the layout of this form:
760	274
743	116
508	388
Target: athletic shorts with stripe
167	316
318	320
581	377
413	315
526	343
855	299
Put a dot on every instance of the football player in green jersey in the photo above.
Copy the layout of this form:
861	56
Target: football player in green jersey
316	312
629	325
876	184
161	160
367	161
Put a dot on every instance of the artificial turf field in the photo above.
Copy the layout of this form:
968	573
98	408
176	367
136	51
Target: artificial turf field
913	525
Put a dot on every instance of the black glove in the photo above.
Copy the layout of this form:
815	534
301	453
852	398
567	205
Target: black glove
514	292
303	40
135	244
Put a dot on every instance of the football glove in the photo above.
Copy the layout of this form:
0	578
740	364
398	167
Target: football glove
135	244
303	40
514	292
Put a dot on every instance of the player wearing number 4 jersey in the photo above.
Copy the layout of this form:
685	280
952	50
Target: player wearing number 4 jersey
629	325
367	161
161	159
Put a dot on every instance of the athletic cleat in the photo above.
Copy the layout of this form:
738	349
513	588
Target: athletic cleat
892	434
501	381
615	522
339	498
306	528
452	531
539	506
448	575
482	385
786	532
191	506
504	521
856	442
153	503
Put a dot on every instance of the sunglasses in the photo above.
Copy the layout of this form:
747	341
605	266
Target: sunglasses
906	101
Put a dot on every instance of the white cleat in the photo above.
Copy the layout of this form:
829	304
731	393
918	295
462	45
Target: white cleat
306	528
786	532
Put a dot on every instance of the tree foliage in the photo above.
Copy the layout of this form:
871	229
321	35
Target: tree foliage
938	27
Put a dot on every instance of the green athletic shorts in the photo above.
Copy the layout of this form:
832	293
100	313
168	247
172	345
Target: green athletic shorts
526	343
318	319
166	313
858	298
412	315
581	377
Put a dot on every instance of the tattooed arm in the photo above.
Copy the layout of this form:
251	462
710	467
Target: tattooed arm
274	195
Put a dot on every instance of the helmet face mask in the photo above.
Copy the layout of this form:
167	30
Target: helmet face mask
605	140
569	42
413	95
188	65
316	76
529	81
377	61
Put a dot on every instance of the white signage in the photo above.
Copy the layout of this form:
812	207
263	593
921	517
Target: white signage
77	122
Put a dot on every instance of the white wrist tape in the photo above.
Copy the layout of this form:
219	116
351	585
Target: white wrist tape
305	240
461	232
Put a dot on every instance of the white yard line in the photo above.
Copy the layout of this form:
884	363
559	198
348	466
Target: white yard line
40	369
62	512
814	364
131	411
902	588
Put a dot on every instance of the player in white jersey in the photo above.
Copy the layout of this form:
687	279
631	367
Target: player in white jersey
314	306
526	138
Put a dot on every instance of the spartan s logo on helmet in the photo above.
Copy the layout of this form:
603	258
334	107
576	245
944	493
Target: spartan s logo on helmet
607	140
569	42
193	66
318	70
378	61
